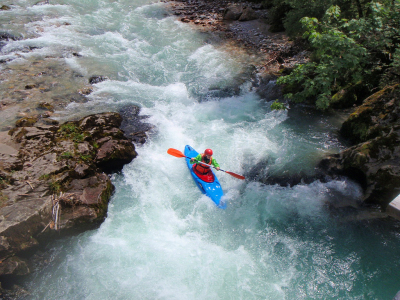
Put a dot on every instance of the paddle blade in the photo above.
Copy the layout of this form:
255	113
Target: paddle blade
176	153
235	175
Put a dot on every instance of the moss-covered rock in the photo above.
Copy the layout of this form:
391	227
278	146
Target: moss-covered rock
374	161
57	168
378	115
350	95
26	122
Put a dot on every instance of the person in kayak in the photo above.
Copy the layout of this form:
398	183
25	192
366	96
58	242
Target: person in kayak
207	161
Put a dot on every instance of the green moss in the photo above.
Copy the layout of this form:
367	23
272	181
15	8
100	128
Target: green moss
86	157
67	155
55	187
26	122
71	131
360	159
105	196
22	132
365	149
44	177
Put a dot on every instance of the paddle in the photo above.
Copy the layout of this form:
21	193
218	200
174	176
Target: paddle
177	153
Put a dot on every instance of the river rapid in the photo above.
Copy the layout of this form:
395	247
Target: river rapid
162	238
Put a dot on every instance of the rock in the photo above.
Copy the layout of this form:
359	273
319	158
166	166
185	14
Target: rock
374	164
100	121
86	201
268	89
376	117
85	90
233	12
46	105
97	78
26	122
44	2
56	168
113	155
30	86
81	170
132	124
350	95
14	265
8	36
248	14
374	161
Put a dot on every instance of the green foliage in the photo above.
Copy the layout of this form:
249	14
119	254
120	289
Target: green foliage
278	105
286	14
68	128
71	131
346	52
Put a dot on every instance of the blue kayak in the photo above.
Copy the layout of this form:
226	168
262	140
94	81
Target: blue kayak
211	189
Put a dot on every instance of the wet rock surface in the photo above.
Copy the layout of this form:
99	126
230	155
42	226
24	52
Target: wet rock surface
53	178
37	88
374	128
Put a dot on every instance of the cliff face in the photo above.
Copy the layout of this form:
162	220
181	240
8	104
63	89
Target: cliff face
374	160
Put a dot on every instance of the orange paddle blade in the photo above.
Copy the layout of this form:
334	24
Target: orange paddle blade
235	175
176	153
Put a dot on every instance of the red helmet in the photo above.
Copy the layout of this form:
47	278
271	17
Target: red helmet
208	152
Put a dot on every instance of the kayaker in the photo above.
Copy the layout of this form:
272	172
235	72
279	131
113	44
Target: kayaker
207	161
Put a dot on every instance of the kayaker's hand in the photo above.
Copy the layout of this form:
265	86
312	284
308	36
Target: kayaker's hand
217	168
192	160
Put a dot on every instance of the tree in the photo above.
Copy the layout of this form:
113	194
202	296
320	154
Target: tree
346	52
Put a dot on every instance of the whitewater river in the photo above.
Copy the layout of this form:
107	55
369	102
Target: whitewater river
163	239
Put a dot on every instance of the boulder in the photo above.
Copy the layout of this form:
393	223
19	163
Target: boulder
248	14
233	12
54	178
374	160
377	116
97	78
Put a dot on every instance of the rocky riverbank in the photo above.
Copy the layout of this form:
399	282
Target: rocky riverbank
243	25
54	178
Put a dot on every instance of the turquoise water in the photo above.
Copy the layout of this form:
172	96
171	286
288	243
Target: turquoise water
163	239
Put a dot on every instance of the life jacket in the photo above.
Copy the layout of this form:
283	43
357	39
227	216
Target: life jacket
203	169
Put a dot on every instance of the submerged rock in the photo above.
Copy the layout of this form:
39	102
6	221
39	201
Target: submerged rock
97	78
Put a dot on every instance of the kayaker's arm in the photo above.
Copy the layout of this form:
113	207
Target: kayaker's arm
194	159
215	164
198	159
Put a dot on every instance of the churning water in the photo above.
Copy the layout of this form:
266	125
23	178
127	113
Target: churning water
163	239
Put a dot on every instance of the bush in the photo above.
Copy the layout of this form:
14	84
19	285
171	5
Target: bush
346	52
